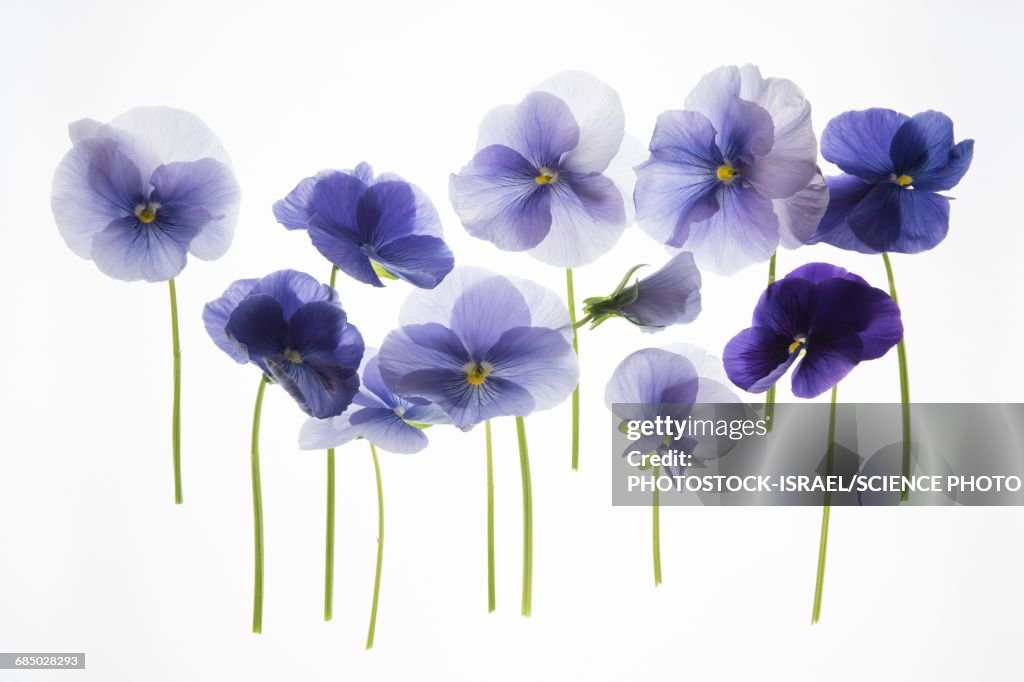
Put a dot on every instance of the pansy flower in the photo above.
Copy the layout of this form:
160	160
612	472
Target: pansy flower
370	226
540	180
819	317
734	175
668	296
894	167
136	196
482	346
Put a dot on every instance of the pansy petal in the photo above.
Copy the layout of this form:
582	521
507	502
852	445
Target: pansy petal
827	361
537	359
858	142
294	210
258	323
487	310
587	218
787	306
130	250
167	135
335	202
800	214
343	249
958	161
497	198
419	347
546	308
217	312
745	230
597	110
316	326
386	210
541	128
465	404
852	304
421	260
321	434
757	357
388	431
746	134
646	376
293	289
321	391
713	94
893	218
844	193
206	184
822	272
427	413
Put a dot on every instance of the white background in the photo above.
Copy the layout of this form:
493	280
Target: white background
95	557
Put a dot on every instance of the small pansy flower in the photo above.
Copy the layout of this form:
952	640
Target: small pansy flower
668	296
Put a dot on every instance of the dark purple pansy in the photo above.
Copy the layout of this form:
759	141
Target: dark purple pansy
825	317
370	227
894	166
295	330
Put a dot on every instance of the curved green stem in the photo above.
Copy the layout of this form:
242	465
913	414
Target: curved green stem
769	397
491	589
901	354
656	529
176	410
334	275
524	468
380	548
571	296
819	583
329	544
257	511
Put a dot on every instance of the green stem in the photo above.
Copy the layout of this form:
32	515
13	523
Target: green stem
819	583
656	529
380	548
329	542
176	410
257	512
491	590
571	296
524	466
901	354
769	398
329	545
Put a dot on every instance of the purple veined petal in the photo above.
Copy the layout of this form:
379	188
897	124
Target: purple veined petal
745	230
385	211
388	431
757	357
316	326
487	310
373	383
669	296
587	218
423	306
163	135
546	308
851	303
894	218
347	354
321	434
427	413
707	365
787	307
924	149
335	203
818	273
792	162
844	193
686	138
83	129
622	171
498	199
958	161
417	347
597	110
713	94
80	210
293	289
421	260
800	214
129	250
294	210
827	362
541	129
745	135
468	405
343	249
648	375
206	184
537	359
858	142
258	324
321	391
217	312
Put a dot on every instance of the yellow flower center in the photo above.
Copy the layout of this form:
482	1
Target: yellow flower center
477	372
726	173
146	213
902	180
546	176
293	356
797	344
